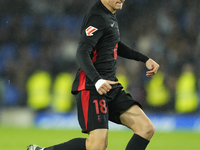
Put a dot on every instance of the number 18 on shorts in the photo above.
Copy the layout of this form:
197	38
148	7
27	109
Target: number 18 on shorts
92	110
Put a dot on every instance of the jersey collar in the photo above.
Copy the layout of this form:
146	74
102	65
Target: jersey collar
104	8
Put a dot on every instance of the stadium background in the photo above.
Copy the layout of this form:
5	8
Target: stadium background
38	41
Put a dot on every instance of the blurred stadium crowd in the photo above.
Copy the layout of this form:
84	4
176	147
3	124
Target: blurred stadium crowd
38	41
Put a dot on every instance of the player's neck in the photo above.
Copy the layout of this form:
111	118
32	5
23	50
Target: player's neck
113	11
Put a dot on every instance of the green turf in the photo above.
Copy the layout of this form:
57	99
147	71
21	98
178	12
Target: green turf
19	138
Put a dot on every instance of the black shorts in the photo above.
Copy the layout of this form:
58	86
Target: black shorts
95	110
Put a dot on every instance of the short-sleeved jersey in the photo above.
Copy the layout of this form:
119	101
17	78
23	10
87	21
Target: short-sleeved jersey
98	48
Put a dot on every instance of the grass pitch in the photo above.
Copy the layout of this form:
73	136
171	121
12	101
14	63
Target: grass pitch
19	138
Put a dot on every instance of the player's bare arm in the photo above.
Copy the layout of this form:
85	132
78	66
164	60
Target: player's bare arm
152	66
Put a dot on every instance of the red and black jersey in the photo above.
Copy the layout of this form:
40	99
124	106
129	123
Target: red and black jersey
98	48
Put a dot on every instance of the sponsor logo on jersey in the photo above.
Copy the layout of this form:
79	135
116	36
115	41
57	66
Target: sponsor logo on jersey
90	30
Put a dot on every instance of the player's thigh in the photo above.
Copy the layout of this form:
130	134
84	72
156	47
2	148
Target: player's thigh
135	119
92	110
98	139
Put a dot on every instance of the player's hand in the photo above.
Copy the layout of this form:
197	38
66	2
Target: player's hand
152	66
104	86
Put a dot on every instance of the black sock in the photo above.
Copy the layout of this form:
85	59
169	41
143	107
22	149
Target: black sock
137	143
74	144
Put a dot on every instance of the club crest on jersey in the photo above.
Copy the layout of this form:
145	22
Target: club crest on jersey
90	30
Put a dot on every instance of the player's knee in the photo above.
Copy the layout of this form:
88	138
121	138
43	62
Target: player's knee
102	146
97	145
148	130
98	140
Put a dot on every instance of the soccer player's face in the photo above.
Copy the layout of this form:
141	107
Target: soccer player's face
113	5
